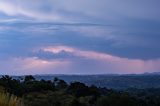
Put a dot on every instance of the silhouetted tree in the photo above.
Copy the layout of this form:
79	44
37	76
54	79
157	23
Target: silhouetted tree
29	78
61	84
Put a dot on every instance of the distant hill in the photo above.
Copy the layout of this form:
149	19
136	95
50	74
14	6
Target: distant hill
140	81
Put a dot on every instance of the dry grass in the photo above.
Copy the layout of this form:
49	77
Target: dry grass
9	100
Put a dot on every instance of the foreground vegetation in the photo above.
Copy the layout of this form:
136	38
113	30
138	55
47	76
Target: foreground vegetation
9	100
31	92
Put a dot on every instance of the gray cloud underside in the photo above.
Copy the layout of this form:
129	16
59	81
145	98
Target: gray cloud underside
124	41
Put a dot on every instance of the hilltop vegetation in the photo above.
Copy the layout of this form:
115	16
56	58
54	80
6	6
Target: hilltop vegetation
31	92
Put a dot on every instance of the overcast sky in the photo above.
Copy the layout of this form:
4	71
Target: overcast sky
79	36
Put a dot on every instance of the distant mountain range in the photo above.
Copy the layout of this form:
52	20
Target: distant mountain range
114	81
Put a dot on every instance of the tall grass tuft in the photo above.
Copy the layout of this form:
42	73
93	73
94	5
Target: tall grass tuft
9	100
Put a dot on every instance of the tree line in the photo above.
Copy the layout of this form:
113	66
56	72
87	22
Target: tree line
57	92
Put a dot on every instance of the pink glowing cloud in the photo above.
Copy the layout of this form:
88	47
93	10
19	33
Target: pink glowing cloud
110	62
86	62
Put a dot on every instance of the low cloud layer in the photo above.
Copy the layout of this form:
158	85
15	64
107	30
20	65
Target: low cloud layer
69	60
